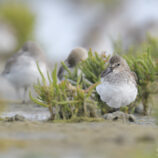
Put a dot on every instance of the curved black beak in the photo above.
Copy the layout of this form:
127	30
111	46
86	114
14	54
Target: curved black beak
107	71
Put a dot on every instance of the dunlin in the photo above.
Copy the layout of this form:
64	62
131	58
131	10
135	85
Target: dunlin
75	56
118	84
21	69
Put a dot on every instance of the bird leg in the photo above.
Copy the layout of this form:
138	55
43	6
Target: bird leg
24	96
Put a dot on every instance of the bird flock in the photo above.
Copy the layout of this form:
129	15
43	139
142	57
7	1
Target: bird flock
118	83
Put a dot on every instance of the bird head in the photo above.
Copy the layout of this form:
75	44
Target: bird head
32	49
77	55
117	64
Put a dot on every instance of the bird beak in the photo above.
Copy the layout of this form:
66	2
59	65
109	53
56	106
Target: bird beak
107	71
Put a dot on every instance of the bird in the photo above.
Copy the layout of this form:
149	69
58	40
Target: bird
7	91
118	85
21	69
76	56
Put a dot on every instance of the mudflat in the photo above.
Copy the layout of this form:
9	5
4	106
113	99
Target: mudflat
109	139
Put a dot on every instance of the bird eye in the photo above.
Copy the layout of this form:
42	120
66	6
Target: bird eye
118	64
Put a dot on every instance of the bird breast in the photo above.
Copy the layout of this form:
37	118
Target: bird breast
25	72
117	95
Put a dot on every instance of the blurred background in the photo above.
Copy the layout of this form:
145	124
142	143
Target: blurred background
111	26
59	26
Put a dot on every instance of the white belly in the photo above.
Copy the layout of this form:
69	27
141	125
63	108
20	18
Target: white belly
25	75
117	95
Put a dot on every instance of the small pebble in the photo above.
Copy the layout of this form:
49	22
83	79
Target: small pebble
119	115
131	118
15	118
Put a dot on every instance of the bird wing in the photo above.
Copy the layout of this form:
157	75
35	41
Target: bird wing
9	64
11	61
61	72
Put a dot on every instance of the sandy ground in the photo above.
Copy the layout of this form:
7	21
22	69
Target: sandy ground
77	140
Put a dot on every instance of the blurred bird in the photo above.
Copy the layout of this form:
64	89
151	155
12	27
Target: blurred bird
76	55
21	69
118	84
7	91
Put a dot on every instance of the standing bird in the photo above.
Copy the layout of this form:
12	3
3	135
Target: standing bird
21	69
76	55
118	84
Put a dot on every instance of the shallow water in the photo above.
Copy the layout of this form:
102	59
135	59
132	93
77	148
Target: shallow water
29	111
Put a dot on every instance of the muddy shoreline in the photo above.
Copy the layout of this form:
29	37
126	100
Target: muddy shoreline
34	138
104	139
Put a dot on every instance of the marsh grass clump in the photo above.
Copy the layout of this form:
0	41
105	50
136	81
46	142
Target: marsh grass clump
152	44
90	72
89	69
92	69
76	96
146	70
71	76
64	100
93	66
